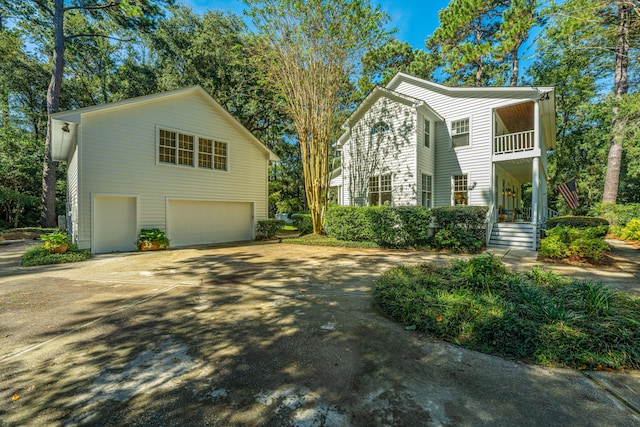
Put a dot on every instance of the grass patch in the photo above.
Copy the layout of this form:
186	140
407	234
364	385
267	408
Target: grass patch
38	255
318	240
537	317
289	227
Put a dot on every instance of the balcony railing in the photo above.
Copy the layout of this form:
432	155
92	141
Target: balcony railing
514	142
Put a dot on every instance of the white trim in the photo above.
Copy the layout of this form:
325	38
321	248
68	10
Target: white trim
196	142
450	129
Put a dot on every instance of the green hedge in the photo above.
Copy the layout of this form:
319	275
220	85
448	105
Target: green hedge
268	228
463	227
563	242
577	222
350	223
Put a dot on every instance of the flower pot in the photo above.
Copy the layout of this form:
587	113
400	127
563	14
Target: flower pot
151	246
58	249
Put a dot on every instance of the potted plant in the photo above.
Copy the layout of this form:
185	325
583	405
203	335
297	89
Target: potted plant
56	242
152	239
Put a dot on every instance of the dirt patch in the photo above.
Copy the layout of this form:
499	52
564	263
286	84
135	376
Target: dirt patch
607	262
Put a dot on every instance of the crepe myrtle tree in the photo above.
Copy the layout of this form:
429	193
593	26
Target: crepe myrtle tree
310	51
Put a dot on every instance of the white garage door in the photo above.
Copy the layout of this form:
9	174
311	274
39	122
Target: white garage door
114	223
196	222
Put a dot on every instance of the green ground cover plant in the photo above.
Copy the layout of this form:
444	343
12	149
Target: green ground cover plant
618	215
536	317
40	255
565	242
631	231
318	240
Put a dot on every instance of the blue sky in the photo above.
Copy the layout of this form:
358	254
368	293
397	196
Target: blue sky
415	20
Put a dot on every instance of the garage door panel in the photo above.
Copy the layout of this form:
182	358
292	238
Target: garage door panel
115	225
197	222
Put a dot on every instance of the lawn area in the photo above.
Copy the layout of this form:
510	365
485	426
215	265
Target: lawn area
318	240
537	317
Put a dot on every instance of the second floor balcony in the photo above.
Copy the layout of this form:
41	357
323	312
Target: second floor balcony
514	142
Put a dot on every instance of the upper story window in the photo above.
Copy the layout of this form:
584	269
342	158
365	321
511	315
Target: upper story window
184	149
427	133
380	127
460	132
380	190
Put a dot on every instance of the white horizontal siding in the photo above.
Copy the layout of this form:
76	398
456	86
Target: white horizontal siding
474	160
394	151
118	149
72	194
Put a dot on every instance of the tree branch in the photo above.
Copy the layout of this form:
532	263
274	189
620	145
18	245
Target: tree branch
102	6
73	36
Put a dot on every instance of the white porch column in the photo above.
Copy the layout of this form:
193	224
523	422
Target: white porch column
535	198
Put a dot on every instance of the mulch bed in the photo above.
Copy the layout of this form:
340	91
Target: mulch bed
607	262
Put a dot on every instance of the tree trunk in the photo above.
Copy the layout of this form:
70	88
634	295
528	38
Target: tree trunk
621	86
48	216
515	66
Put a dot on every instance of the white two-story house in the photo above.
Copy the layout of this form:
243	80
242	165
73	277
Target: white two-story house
415	142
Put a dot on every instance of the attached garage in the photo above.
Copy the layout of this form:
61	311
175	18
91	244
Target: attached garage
114	223
194	222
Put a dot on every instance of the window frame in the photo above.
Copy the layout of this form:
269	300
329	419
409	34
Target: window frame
458	133
196	153
426	190
380	128
455	189
426	133
383	185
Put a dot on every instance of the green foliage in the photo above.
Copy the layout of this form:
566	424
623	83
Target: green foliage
303	222
268	228
469	218
320	240
631	231
55	240
618	215
40	255
350	223
149	236
562	242
578	222
457	239
537	317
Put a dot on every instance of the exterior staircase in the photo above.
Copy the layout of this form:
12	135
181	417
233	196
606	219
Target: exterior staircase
512	235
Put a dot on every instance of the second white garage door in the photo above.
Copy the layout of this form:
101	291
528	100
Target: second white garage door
191	222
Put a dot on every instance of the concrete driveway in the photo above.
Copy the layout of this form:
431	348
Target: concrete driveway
258	334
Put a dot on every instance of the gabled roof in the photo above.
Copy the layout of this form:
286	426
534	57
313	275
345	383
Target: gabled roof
379	92
65	123
402	77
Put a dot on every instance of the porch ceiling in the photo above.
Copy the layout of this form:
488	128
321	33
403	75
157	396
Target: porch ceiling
520	168
517	118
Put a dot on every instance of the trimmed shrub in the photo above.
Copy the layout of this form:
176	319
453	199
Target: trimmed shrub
395	227
578	222
268	228
400	227
303	222
469	218
631	231
457	239
562	242
351	223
